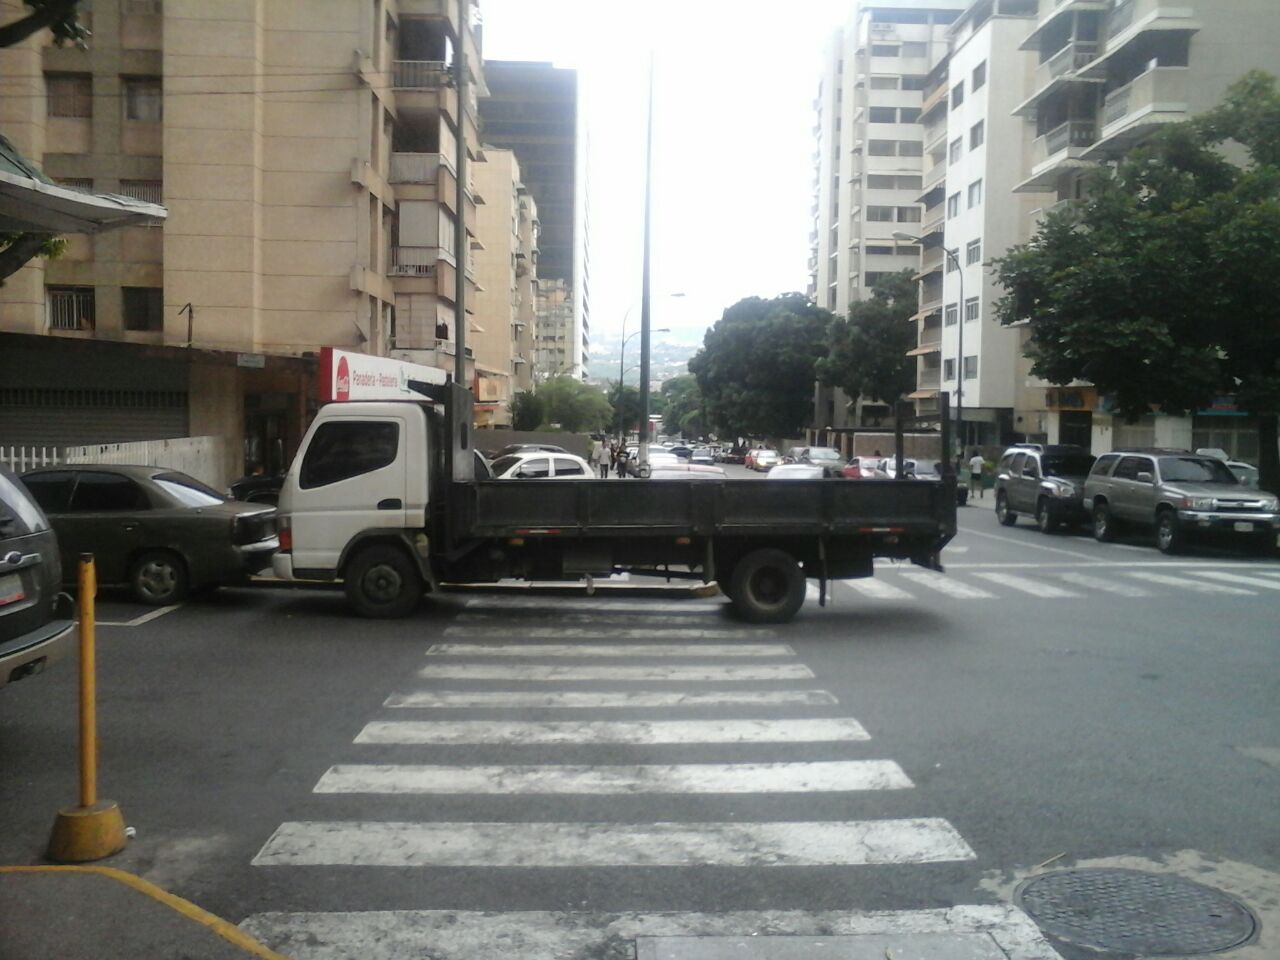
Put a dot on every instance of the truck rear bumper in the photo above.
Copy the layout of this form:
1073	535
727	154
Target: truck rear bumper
282	565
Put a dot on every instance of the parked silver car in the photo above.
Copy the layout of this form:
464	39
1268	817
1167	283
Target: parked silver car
1179	495
1045	482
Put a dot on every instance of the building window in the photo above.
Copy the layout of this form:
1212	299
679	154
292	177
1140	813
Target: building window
909	115
957	95
142	99
908	214
70	308
908	251
979	75
971	309
883	50
971	367
148	191
882	148
949	317
881	181
948	369
952	266
880	214
916	50
913	83
69	95
910	148
977	133
883	115
975	193
973	252
884	83
878	251
953	205
143	308
956	150
909	183
872	277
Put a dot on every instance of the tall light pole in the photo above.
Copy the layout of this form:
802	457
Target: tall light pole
644	283
954	257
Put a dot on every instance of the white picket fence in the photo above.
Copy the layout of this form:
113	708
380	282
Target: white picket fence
201	457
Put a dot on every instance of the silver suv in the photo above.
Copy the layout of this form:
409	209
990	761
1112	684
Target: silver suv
1042	481
1179	494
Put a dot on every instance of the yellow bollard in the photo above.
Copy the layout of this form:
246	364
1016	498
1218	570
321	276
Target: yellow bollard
95	828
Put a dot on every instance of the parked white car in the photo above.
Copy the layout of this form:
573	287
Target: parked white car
540	465
795	471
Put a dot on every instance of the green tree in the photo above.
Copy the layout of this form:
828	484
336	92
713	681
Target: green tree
867	355
574	406
755	367
526	411
1162	287
683	406
626	407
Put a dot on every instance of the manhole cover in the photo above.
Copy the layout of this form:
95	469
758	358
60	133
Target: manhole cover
1126	911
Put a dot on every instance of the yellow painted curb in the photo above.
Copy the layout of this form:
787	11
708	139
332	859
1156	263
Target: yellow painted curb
223	928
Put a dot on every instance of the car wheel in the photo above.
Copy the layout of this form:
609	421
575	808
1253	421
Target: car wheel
1168	532
383	583
767	586
1045	518
159	578
1006	516
1104	525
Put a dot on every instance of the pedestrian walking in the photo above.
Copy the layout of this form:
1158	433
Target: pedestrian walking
976	466
598	459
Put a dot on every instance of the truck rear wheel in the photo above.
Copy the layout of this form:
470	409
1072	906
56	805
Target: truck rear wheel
382	583
767	586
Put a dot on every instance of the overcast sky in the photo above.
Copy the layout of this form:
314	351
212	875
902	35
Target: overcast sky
732	143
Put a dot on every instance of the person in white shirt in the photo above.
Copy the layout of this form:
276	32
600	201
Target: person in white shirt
976	465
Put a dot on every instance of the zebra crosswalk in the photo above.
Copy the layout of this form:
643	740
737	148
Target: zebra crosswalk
682	713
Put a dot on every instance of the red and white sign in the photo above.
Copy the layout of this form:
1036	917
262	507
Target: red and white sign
358	376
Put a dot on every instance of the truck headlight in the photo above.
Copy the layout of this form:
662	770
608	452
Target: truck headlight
1199	503
1064	490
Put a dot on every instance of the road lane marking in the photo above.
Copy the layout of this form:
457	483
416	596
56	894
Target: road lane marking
517	618
611	699
877	589
1036	588
1106	586
392	844
628	672
139	620
517	631
1186	583
821	730
956	931
942	584
837	776
1240	579
965	532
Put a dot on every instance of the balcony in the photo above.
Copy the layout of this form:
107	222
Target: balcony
414	167
930	378
1062	147
414	261
1061	68
937	173
1061	8
1130	113
933	98
420	74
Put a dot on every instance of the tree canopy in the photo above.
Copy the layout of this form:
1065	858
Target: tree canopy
755	367
867	355
526	411
683	411
1163	286
572	405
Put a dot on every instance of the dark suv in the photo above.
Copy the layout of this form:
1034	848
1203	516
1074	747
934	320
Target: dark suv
36	620
1045	481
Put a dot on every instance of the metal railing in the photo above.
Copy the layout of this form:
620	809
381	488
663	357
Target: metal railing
71	309
414	261
414	167
1072	57
1073	133
420	74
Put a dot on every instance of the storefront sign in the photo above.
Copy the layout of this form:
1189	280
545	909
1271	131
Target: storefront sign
359	376
1071	398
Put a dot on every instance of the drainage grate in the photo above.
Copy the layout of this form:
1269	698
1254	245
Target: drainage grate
1127	911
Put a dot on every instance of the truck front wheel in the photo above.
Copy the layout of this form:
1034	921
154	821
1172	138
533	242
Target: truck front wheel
382	582
767	586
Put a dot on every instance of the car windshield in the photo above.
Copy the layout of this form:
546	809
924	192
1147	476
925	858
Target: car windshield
187	490
1195	470
825	453
1066	464
1247	475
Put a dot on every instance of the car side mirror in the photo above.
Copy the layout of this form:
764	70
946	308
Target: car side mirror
1145	477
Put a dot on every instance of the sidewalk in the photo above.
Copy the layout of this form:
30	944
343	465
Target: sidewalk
99	913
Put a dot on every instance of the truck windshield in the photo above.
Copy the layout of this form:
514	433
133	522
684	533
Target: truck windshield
1195	470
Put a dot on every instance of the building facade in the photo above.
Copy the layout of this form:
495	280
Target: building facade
307	167
869	167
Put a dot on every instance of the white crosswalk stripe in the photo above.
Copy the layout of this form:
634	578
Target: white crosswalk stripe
605	700
596	650
703	616
1264	583
829	730
1036	588
753	778
956	589
679	673
1188	583
876	589
1098	583
630	633
398	844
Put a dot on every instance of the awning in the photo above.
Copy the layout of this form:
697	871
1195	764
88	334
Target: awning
925	349
922	395
31	203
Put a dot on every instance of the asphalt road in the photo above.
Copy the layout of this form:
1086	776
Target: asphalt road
1049	697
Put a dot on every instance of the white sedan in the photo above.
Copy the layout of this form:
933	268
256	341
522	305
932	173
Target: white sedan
795	471
540	465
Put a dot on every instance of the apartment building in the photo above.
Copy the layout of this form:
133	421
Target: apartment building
533	110
506	295
306	162
869	166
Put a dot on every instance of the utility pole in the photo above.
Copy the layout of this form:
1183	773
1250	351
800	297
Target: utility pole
460	244
644	295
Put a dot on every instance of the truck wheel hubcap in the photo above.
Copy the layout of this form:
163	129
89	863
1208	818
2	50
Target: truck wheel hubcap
769	586
382	584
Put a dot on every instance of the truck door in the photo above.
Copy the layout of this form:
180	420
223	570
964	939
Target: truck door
352	478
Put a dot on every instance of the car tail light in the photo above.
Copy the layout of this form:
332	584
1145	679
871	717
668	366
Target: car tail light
286	538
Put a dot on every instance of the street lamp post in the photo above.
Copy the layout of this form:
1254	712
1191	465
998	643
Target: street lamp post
954	257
